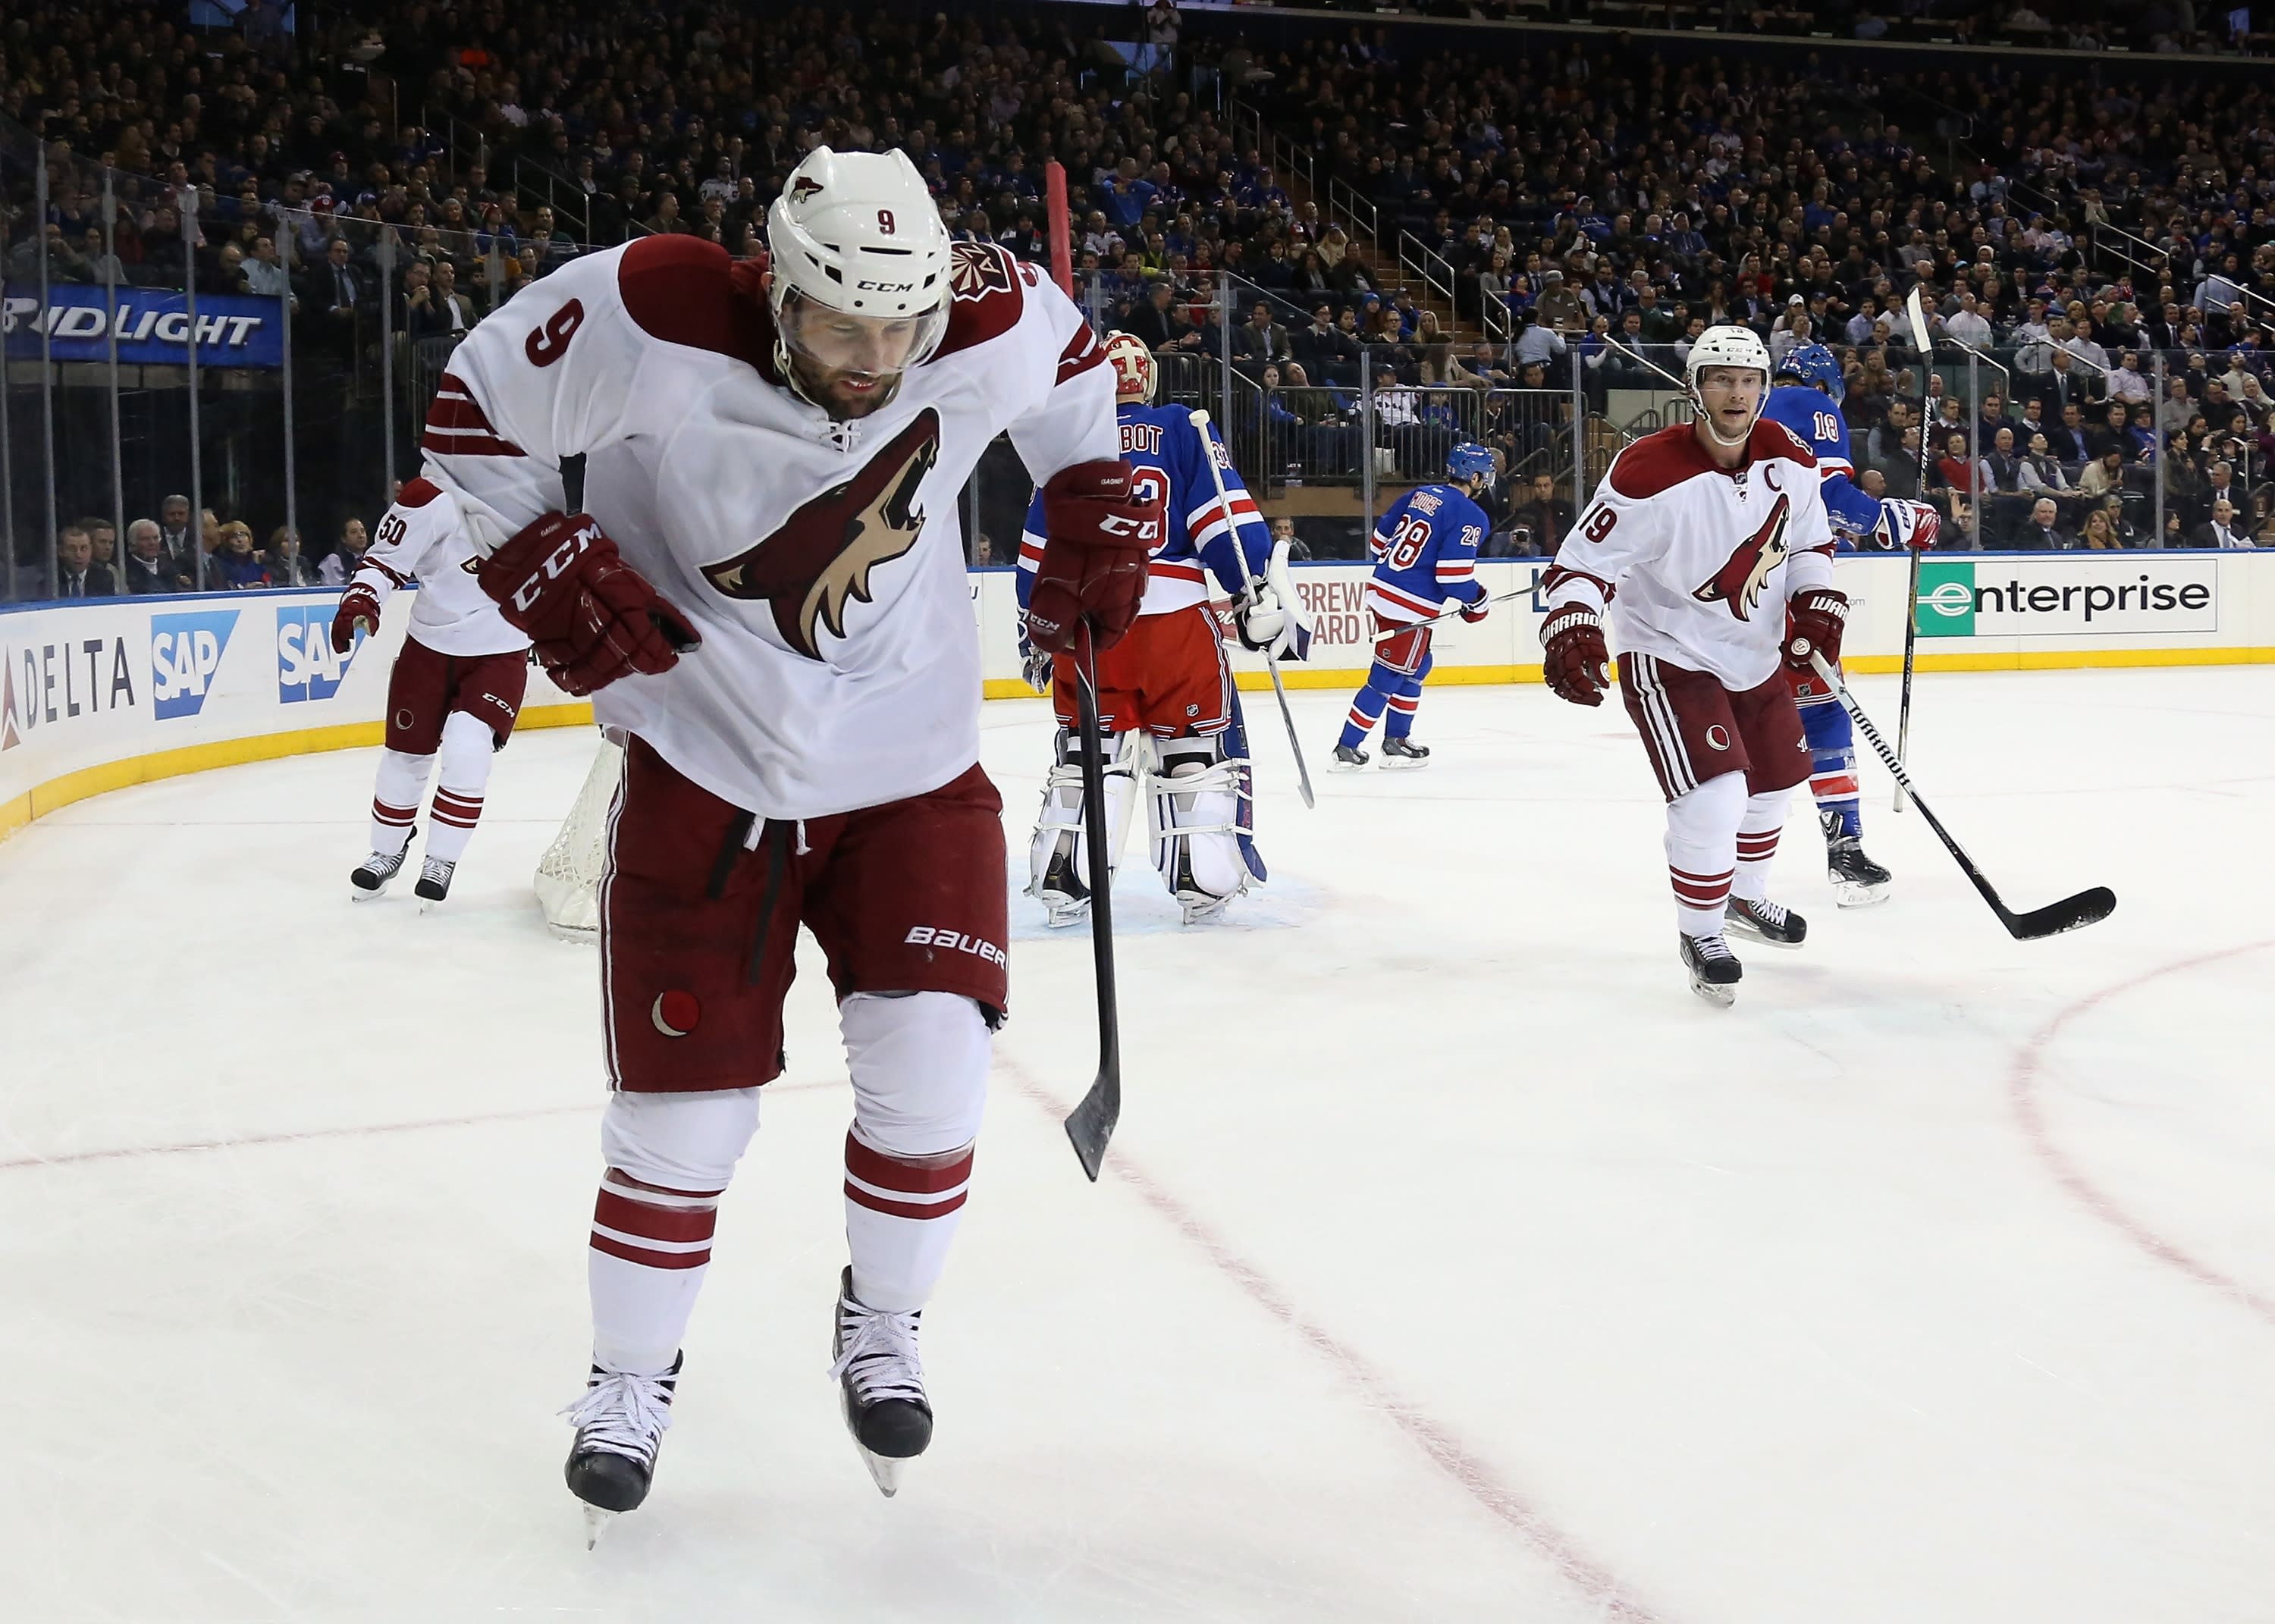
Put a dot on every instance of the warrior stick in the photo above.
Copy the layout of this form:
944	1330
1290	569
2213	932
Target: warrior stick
2069	914
1090	1124
1270	662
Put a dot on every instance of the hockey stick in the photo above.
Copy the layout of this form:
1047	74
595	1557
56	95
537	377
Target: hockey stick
2086	908
1400	632
1917	316
1271	661
1090	1124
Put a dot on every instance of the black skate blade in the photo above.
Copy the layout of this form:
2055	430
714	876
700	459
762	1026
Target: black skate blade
2089	907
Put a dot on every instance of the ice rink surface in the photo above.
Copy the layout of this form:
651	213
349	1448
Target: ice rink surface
1454	1261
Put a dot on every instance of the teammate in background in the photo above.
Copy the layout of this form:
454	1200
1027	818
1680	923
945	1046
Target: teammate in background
1164	693
1809	406
1425	552
455	693
766	595
1707	544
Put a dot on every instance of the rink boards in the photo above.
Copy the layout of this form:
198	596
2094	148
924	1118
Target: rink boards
95	696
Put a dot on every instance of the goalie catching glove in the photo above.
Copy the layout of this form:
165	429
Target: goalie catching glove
591	616
1814	622
1574	660
1098	528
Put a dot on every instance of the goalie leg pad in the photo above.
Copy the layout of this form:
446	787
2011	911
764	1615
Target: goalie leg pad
1058	857
1199	809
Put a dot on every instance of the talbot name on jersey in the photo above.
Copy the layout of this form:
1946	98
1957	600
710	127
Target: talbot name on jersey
1141	437
824	554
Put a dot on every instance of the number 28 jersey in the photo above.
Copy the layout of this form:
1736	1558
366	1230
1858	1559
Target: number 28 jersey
1425	552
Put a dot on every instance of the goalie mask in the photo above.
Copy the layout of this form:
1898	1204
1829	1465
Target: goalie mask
860	290
1739	347
1133	369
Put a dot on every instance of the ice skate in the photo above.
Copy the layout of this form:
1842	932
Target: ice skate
1194	902
1857	881
1065	899
880	1386
434	882
620	1425
1403	752
371	876
1351	758
1766	921
1714	969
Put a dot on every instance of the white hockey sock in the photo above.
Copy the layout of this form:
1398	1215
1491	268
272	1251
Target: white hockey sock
468	746
1757	843
395	800
919	1065
670	1157
1702	850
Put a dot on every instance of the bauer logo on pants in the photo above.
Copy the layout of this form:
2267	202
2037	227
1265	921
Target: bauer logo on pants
2067	597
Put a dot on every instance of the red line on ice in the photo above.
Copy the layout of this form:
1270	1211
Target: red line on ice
1476	1478
2022	1095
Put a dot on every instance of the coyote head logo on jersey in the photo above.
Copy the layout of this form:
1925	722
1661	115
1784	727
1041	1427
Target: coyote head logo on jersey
822	554
1740	581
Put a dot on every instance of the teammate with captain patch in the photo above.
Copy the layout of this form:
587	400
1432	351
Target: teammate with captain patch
1708	549
454	694
767	593
1426	553
1168	710
1809	405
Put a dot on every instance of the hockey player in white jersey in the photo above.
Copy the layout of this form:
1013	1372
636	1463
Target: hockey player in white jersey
453	696
765	592
1707	544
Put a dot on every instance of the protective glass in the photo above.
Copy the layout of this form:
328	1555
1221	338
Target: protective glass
834	341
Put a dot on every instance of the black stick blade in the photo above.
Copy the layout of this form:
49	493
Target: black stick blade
1090	1124
2071	913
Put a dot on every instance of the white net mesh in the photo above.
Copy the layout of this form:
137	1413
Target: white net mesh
569	874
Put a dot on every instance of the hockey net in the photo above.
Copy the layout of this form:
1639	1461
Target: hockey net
569	874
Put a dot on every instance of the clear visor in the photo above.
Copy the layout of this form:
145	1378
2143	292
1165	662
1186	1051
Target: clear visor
839	341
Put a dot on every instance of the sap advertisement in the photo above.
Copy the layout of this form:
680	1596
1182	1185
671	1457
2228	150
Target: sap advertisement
153	326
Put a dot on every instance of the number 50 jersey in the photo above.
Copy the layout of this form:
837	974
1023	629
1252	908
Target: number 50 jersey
1426	551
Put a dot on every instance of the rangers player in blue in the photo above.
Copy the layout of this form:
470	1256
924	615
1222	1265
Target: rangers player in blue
1167	706
1807	400
1425	552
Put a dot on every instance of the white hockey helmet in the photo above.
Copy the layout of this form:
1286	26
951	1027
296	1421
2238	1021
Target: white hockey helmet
861	262
1728	345
1133	368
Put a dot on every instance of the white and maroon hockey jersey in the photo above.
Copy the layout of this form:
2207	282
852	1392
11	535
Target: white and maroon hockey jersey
422	536
822	561
1696	561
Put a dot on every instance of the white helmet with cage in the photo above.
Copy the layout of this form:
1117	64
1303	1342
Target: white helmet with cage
1728	345
1133	366
861	262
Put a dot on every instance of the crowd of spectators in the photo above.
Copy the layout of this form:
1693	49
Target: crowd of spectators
1589	199
162	555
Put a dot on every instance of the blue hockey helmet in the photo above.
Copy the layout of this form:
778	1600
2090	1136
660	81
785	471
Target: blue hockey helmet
1814	365
1468	461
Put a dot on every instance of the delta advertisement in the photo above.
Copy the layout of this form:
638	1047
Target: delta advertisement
153	326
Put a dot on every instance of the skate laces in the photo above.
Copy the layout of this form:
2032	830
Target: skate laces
1768	913
879	1353
623	1414
1712	947
434	868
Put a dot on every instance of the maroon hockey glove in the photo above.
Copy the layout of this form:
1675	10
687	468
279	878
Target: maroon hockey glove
592	616
1478	608
1813	621
357	603
1100	530
1575	657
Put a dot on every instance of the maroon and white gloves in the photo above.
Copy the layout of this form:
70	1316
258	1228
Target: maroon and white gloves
1575	662
1099	529
592	617
1814	620
357	604
1910	524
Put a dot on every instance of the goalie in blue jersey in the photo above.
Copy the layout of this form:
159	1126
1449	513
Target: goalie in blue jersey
1806	398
